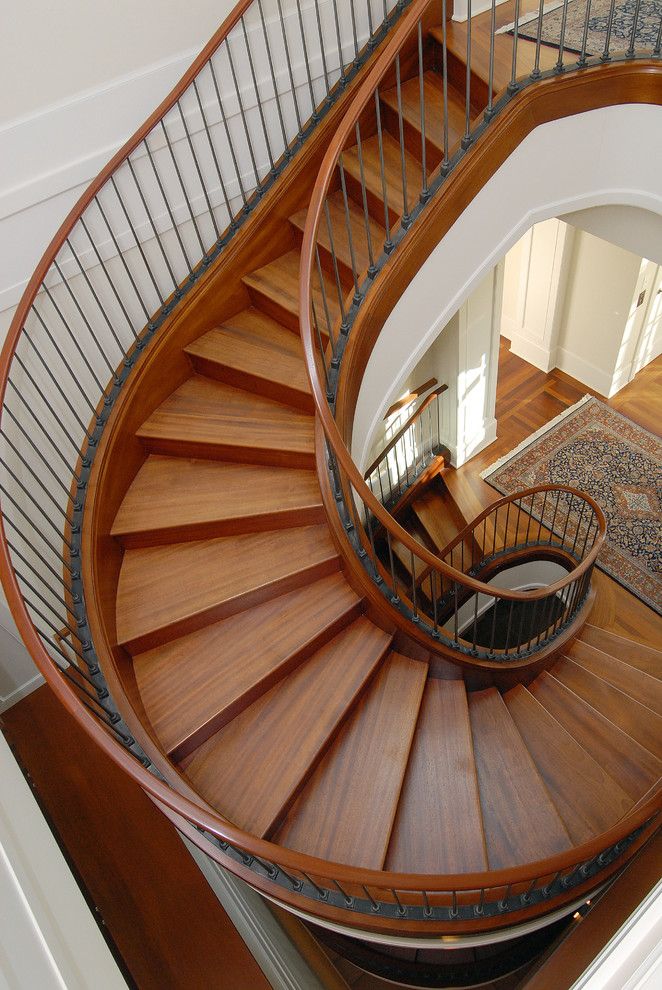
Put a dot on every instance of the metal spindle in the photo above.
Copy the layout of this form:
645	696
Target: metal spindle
605	57
372	270
122	259
354	35
138	243
325	304
535	74
512	85
228	136
95	296
242	114
658	41
334	259
388	243
313	103
288	59
444	84
274	83
389	544
466	139
260	108
320	33
421	96
559	67
490	75
581	62
405	219
633	36
111	282
350	239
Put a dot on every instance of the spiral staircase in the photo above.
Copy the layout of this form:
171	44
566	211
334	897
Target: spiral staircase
299	705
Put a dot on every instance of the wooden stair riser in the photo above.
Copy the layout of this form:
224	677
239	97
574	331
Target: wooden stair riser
237	453
258	385
635	683
457	73
644	658
412	136
287	665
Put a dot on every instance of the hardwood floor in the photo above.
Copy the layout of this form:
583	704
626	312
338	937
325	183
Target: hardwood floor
166	924
527	399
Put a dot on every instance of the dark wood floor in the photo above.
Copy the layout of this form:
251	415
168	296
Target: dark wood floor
527	399
166	924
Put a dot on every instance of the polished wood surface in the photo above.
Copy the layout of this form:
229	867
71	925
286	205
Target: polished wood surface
410	100
255	353
520	820
364	768
274	288
440	789
344	243
627	761
638	721
165	591
155	906
642	687
211	419
587	798
185	498
253	767
636	654
395	194
194	685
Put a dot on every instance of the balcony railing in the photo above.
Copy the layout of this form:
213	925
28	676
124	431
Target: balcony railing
146	230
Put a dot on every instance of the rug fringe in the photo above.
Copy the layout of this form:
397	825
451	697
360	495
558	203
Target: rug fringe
535	436
527	18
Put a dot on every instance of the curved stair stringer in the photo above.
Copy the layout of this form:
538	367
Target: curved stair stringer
218	734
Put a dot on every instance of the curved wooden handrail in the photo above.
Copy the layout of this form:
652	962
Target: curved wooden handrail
403	429
181	805
344	133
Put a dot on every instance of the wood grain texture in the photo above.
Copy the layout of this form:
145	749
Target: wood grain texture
635	683
438	514
588	800
343	243
633	653
207	418
638	721
346	811
251	769
392	175
194	685
434	115
274	288
520	821
167	591
256	353
621	756
129	860
440	791
178	498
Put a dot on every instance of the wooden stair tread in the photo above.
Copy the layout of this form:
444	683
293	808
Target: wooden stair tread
276	286
345	813
635	654
252	768
392	172
520	822
174	498
638	721
434	118
166	591
439	516
642	687
341	244
266	358
210	417
587	798
623	758
194	685
440	790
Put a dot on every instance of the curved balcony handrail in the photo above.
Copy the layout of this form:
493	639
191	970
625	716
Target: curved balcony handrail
65	655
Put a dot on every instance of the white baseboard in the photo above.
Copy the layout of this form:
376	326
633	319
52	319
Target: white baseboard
584	371
530	351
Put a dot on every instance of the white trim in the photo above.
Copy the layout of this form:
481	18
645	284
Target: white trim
527	18
48	937
584	371
535	436
275	954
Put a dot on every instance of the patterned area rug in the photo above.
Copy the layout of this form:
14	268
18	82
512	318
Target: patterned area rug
648	25
597	450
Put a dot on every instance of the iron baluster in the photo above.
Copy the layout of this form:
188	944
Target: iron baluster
535	74
242	114
93	292
512	85
73	337
111	283
120	255
137	241
421	95
372	270
559	67
581	62
325	304
313	103
635	22
388	243
214	156
444	84
203	184
466	139
320	33
228	136
405	219
151	223
350	239
289	66
270	60
334	259
490	74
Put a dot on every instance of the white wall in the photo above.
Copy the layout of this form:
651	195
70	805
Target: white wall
639	231
598	300
615	159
